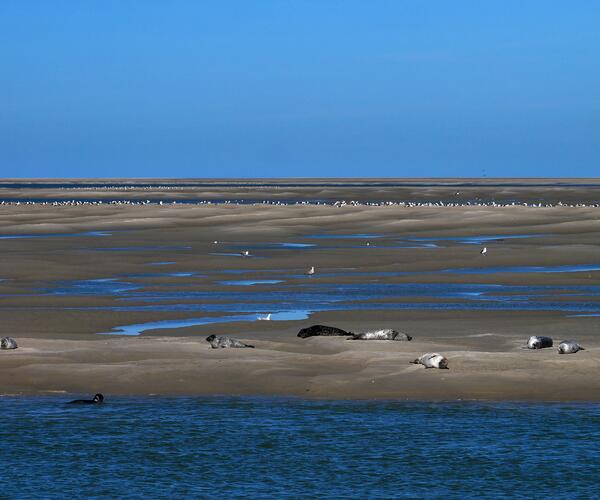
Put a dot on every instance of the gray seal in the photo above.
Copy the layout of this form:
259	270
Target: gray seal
386	334
322	331
569	347
432	360
222	342
8	343
536	342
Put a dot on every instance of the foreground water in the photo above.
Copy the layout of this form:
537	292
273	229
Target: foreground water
231	447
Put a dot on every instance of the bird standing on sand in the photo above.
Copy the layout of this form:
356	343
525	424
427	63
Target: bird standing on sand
311	271
484	251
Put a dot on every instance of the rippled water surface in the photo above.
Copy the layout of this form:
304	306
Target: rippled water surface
286	448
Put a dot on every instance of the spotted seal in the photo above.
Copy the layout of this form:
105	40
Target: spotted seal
98	399
217	342
569	347
432	360
385	334
322	331
8	343
537	342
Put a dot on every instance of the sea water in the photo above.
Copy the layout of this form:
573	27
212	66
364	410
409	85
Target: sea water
241	447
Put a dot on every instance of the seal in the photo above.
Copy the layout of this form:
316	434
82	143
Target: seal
432	360
217	342
386	334
322	331
98	399
569	347
536	342
8	343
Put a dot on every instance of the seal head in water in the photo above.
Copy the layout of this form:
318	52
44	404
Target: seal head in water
98	399
222	342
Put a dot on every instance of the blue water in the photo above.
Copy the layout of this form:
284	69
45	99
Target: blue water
52	235
358	183
230	447
573	268
139	328
249	282
298	301
477	239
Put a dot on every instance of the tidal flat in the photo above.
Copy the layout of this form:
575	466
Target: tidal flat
119	298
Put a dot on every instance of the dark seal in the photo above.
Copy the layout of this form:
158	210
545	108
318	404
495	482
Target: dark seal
322	331
539	342
98	399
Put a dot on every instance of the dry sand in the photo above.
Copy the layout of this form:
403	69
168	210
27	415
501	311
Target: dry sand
60	349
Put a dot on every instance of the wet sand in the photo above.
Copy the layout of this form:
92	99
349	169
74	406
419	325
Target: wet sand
60	348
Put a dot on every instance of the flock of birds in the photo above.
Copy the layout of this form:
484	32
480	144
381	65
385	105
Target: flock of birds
338	204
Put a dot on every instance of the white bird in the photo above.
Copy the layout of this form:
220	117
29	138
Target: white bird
245	253
484	251
215	242
311	271
265	318
368	243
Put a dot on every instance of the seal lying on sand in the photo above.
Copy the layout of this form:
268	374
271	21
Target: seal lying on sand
386	334
216	342
569	347
536	342
98	399
432	360
322	331
8	343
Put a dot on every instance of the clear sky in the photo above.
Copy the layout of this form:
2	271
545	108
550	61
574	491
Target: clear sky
299	88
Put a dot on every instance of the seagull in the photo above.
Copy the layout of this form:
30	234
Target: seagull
265	318
245	253
368	243
484	251
215	242
311	271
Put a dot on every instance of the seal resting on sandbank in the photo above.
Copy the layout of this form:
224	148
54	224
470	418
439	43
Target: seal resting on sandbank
222	342
569	347
432	360
322	331
385	334
537	342
98	399
8	343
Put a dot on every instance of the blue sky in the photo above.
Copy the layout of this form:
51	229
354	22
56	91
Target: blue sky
299	88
